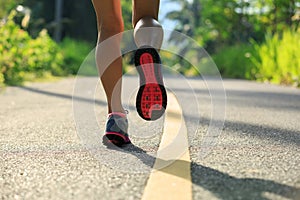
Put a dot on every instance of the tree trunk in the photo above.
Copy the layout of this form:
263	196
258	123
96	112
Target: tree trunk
58	20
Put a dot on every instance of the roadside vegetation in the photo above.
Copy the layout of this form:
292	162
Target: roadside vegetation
255	40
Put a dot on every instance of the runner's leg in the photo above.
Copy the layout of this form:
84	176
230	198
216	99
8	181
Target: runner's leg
110	22
145	14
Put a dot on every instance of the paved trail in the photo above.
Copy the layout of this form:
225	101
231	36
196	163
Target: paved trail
257	155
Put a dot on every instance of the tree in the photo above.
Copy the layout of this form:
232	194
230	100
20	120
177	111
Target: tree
225	22
205	21
78	17
6	6
188	18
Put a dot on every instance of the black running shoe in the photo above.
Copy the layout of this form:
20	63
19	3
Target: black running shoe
116	130
151	100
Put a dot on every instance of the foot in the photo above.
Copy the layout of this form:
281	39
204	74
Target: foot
151	100
116	130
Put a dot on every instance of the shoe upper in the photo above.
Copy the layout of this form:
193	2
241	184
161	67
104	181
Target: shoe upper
117	123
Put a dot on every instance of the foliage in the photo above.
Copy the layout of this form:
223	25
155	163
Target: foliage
22	55
74	52
274	15
79	19
224	28
227	22
6	6
279	60
235	61
127	12
1	79
275	60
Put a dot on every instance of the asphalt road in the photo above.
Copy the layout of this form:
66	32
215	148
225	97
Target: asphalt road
257	155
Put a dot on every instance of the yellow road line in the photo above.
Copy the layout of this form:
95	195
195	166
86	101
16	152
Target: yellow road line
171	176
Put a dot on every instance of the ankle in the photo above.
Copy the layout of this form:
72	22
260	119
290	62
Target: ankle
123	115
119	110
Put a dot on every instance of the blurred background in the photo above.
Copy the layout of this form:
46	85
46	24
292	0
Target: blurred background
247	39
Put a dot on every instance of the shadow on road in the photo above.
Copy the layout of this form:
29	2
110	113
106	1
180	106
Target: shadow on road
222	185
64	96
262	132
261	99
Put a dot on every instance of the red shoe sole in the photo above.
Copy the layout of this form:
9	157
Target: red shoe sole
151	100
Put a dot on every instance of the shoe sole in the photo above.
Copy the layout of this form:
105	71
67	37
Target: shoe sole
115	139
151	100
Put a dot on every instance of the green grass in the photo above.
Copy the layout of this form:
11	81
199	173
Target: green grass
235	61
75	52
276	60
279	61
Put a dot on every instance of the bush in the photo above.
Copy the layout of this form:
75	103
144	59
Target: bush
279	60
21	55
7	5
74	54
235	61
1	80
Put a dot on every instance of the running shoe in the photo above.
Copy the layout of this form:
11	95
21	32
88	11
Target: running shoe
151	100
116	129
